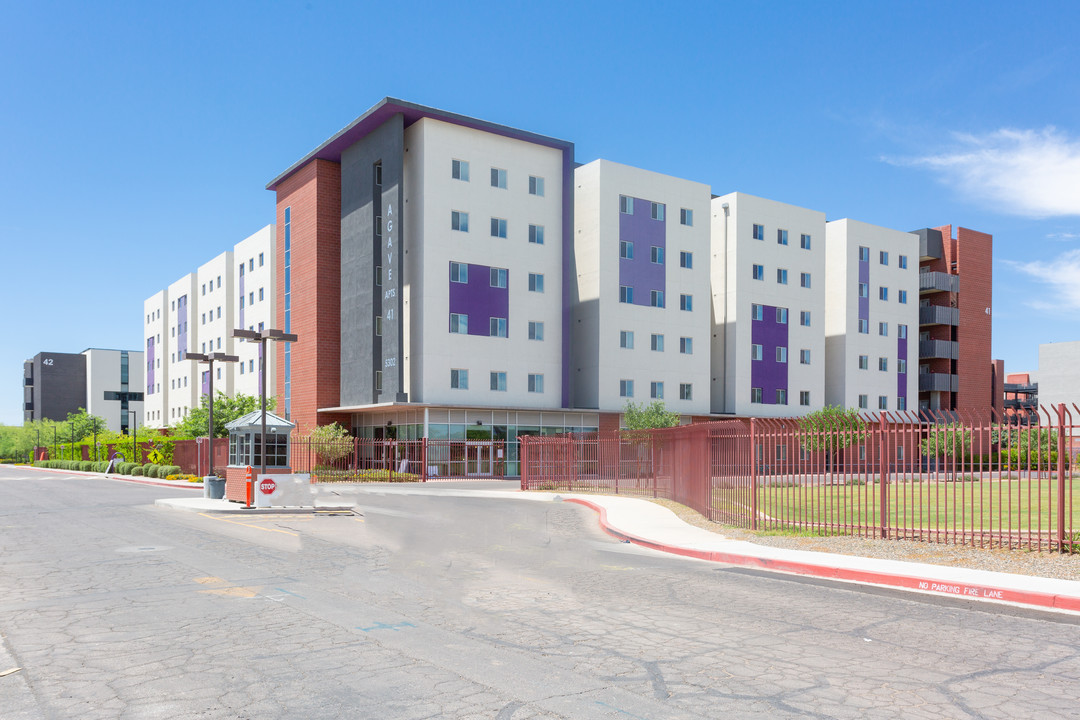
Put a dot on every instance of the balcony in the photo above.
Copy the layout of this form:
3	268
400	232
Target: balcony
947	349
938	315
1025	388
1022	403
931	244
938	282
938	382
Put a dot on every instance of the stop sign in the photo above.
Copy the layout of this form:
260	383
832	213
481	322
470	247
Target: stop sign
267	486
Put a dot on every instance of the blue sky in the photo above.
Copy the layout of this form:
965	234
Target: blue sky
137	138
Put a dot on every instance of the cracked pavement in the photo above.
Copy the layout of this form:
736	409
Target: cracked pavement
439	607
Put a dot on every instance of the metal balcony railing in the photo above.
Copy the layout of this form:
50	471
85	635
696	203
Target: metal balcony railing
948	349
938	282
939	315
938	382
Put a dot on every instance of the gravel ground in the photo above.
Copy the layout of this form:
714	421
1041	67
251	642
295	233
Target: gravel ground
1020	562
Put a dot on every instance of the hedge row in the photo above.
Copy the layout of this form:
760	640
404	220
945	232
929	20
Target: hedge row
124	468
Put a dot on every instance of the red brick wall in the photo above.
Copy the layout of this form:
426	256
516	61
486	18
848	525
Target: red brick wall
314	194
609	422
974	266
236	481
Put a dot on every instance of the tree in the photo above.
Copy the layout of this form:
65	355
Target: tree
644	417
86	425
331	442
831	429
948	440
226	409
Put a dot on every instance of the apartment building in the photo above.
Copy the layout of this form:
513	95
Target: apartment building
768	305
197	313
106	383
642	324
871	316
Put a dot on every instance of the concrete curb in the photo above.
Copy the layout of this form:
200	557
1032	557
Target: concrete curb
980	592
121	478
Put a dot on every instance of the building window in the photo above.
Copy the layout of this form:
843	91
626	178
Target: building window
781	237
656	298
883	364
757	312
804	318
864	254
241	269
781	396
686	260
497	327
626	339
781	316
656	390
781	354
883	329
203	292
378	325
626	204
626	249
536	282
901	403
804	357
241	307
756	352
459	323
901	332
781	276
626	294
902	296
260	294
498	380
536	381
657	211
686	391
686	302
901	366
657	342
883	402
459	272
864	326
864	290
686	217
536	186
498	178
378	226
864	362
459	170
459	379
498	227
241	368
759	232
804	279
804	397
902	262
759	272
883	257
657	255
536	330
686	346
804	242
863	402
378	379
755	395
497	277
536	234
260	260
459	221
883	293
626	388
378	174
378	275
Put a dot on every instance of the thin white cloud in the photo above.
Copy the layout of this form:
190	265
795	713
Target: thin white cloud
1059	274
1062	236
1032	173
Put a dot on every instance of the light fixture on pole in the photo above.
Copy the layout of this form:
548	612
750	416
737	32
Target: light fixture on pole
261	338
211	358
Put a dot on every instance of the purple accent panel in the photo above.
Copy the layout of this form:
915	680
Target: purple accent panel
767	373
206	382
640	272
150	366
864	302
568	279
181	327
901	378
479	300
241	300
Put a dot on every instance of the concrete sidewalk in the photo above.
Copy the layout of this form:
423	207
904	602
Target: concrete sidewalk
650	525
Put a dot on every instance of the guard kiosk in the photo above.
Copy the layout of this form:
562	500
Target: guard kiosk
245	449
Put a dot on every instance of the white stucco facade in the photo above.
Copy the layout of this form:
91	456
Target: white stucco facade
1059	376
105	375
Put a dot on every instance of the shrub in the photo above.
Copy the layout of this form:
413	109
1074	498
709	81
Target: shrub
150	470
125	468
101	466
138	471
86	465
171	470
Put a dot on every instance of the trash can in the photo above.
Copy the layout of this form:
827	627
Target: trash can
213	487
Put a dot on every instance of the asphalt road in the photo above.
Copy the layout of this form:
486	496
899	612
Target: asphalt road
440	607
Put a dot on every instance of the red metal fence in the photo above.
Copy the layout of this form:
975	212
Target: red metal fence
937	478
425	460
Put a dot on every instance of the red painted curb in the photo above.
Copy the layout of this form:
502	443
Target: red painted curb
124	478
906	582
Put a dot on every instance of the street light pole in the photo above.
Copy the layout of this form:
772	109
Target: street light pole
72	439
261	338
135	446
210	358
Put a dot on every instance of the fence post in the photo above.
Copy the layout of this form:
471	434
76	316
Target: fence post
523	461
1060	477
883	476
652	457
753	475
423	460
